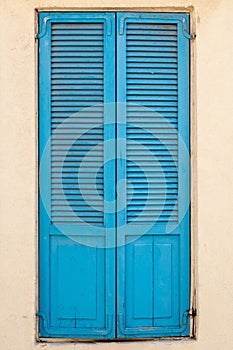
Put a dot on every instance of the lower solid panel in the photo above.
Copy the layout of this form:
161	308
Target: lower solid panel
152	281
77	284
150	284
166	275
79	297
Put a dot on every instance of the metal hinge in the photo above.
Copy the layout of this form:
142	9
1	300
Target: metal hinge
192	312
192	36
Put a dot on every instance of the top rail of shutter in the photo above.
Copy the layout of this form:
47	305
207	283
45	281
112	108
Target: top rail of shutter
70	17
159	18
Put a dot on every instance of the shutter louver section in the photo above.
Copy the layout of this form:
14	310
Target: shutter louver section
152	193
77	117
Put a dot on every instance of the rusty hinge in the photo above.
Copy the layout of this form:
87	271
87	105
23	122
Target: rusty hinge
192	312
192	315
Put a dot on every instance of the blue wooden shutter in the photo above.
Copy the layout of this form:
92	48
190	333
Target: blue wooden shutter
153	174
77	177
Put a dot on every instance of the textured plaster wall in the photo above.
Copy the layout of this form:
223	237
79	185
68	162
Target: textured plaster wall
212	129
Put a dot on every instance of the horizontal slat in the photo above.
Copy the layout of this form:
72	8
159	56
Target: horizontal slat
73	137
76	220
150	179
135	202
159	221
73	151
78	37
75	66
153	218
76	203
76	31
144	192
155	127
170	123
149	118
144	69
167	131
92	41
78	131
157	55
165	50
150	64
72	94
151	114
149	166
150	154
80	143
60	51
78	54
75	192
76	184
140	81
96	106
68	165
145	31
86	81
62	71
95	217
77	103
60	176
153	211
146	37
77	87
77	61
78	76
158	195
149	26
76	197
133	171
163	139
152	186
80	26
151	102
153	145
153	175
82	211
166	43
90	115
70	100
142	154
156	93
148	87
84	113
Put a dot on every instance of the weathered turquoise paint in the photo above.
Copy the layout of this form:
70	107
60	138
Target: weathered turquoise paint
77	77
140	288
153	147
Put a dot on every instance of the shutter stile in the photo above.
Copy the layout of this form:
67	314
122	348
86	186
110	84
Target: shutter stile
153	83
78	277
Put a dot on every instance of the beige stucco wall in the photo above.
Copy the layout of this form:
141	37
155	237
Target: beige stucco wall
212	127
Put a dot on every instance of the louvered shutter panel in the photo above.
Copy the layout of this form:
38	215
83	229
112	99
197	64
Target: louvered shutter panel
77	177
153	170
